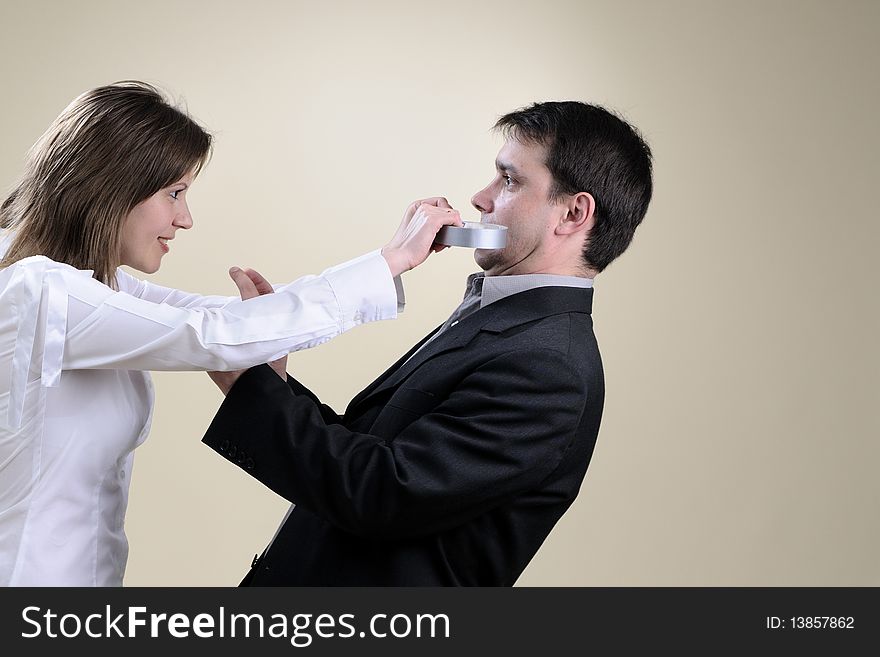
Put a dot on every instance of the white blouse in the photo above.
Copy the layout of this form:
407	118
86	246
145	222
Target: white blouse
75	399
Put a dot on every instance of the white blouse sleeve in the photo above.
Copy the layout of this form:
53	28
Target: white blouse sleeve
66	320
149	291
159	294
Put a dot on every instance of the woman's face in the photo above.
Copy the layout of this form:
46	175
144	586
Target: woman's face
152	223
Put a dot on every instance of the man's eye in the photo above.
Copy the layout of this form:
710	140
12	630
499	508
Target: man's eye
176	193
507	181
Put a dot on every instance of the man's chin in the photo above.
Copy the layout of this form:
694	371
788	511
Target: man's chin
487	259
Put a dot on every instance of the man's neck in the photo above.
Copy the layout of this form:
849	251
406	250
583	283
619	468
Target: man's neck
580	272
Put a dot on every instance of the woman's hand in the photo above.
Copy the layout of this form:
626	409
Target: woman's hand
414	240
250	283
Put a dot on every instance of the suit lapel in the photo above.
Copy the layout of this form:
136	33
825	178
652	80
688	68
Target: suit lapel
366	392
453	338
500	316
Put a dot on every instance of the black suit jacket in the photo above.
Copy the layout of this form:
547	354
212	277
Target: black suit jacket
449	469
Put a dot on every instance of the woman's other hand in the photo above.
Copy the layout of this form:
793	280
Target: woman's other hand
250	284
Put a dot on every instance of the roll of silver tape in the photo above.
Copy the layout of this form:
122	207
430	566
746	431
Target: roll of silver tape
473	235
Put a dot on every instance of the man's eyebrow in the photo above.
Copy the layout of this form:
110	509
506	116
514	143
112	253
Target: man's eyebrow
505	166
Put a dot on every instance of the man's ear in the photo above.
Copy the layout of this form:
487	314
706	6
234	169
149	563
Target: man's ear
580	216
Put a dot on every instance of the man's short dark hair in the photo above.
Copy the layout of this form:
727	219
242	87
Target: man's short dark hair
590	149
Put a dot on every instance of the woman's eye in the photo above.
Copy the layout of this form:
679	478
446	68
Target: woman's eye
507	181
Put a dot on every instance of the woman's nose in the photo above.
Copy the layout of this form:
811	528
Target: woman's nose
184	220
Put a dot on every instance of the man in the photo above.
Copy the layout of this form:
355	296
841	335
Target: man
454	465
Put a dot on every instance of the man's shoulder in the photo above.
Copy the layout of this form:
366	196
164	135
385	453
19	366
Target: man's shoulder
567	332
532	331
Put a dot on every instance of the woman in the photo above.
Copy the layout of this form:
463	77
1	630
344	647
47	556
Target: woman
106	186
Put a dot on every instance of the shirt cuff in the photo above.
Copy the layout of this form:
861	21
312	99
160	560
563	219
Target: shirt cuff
398	287
365	290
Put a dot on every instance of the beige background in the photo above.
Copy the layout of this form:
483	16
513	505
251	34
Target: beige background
740	439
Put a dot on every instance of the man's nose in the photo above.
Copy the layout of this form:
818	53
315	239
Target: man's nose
482	201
